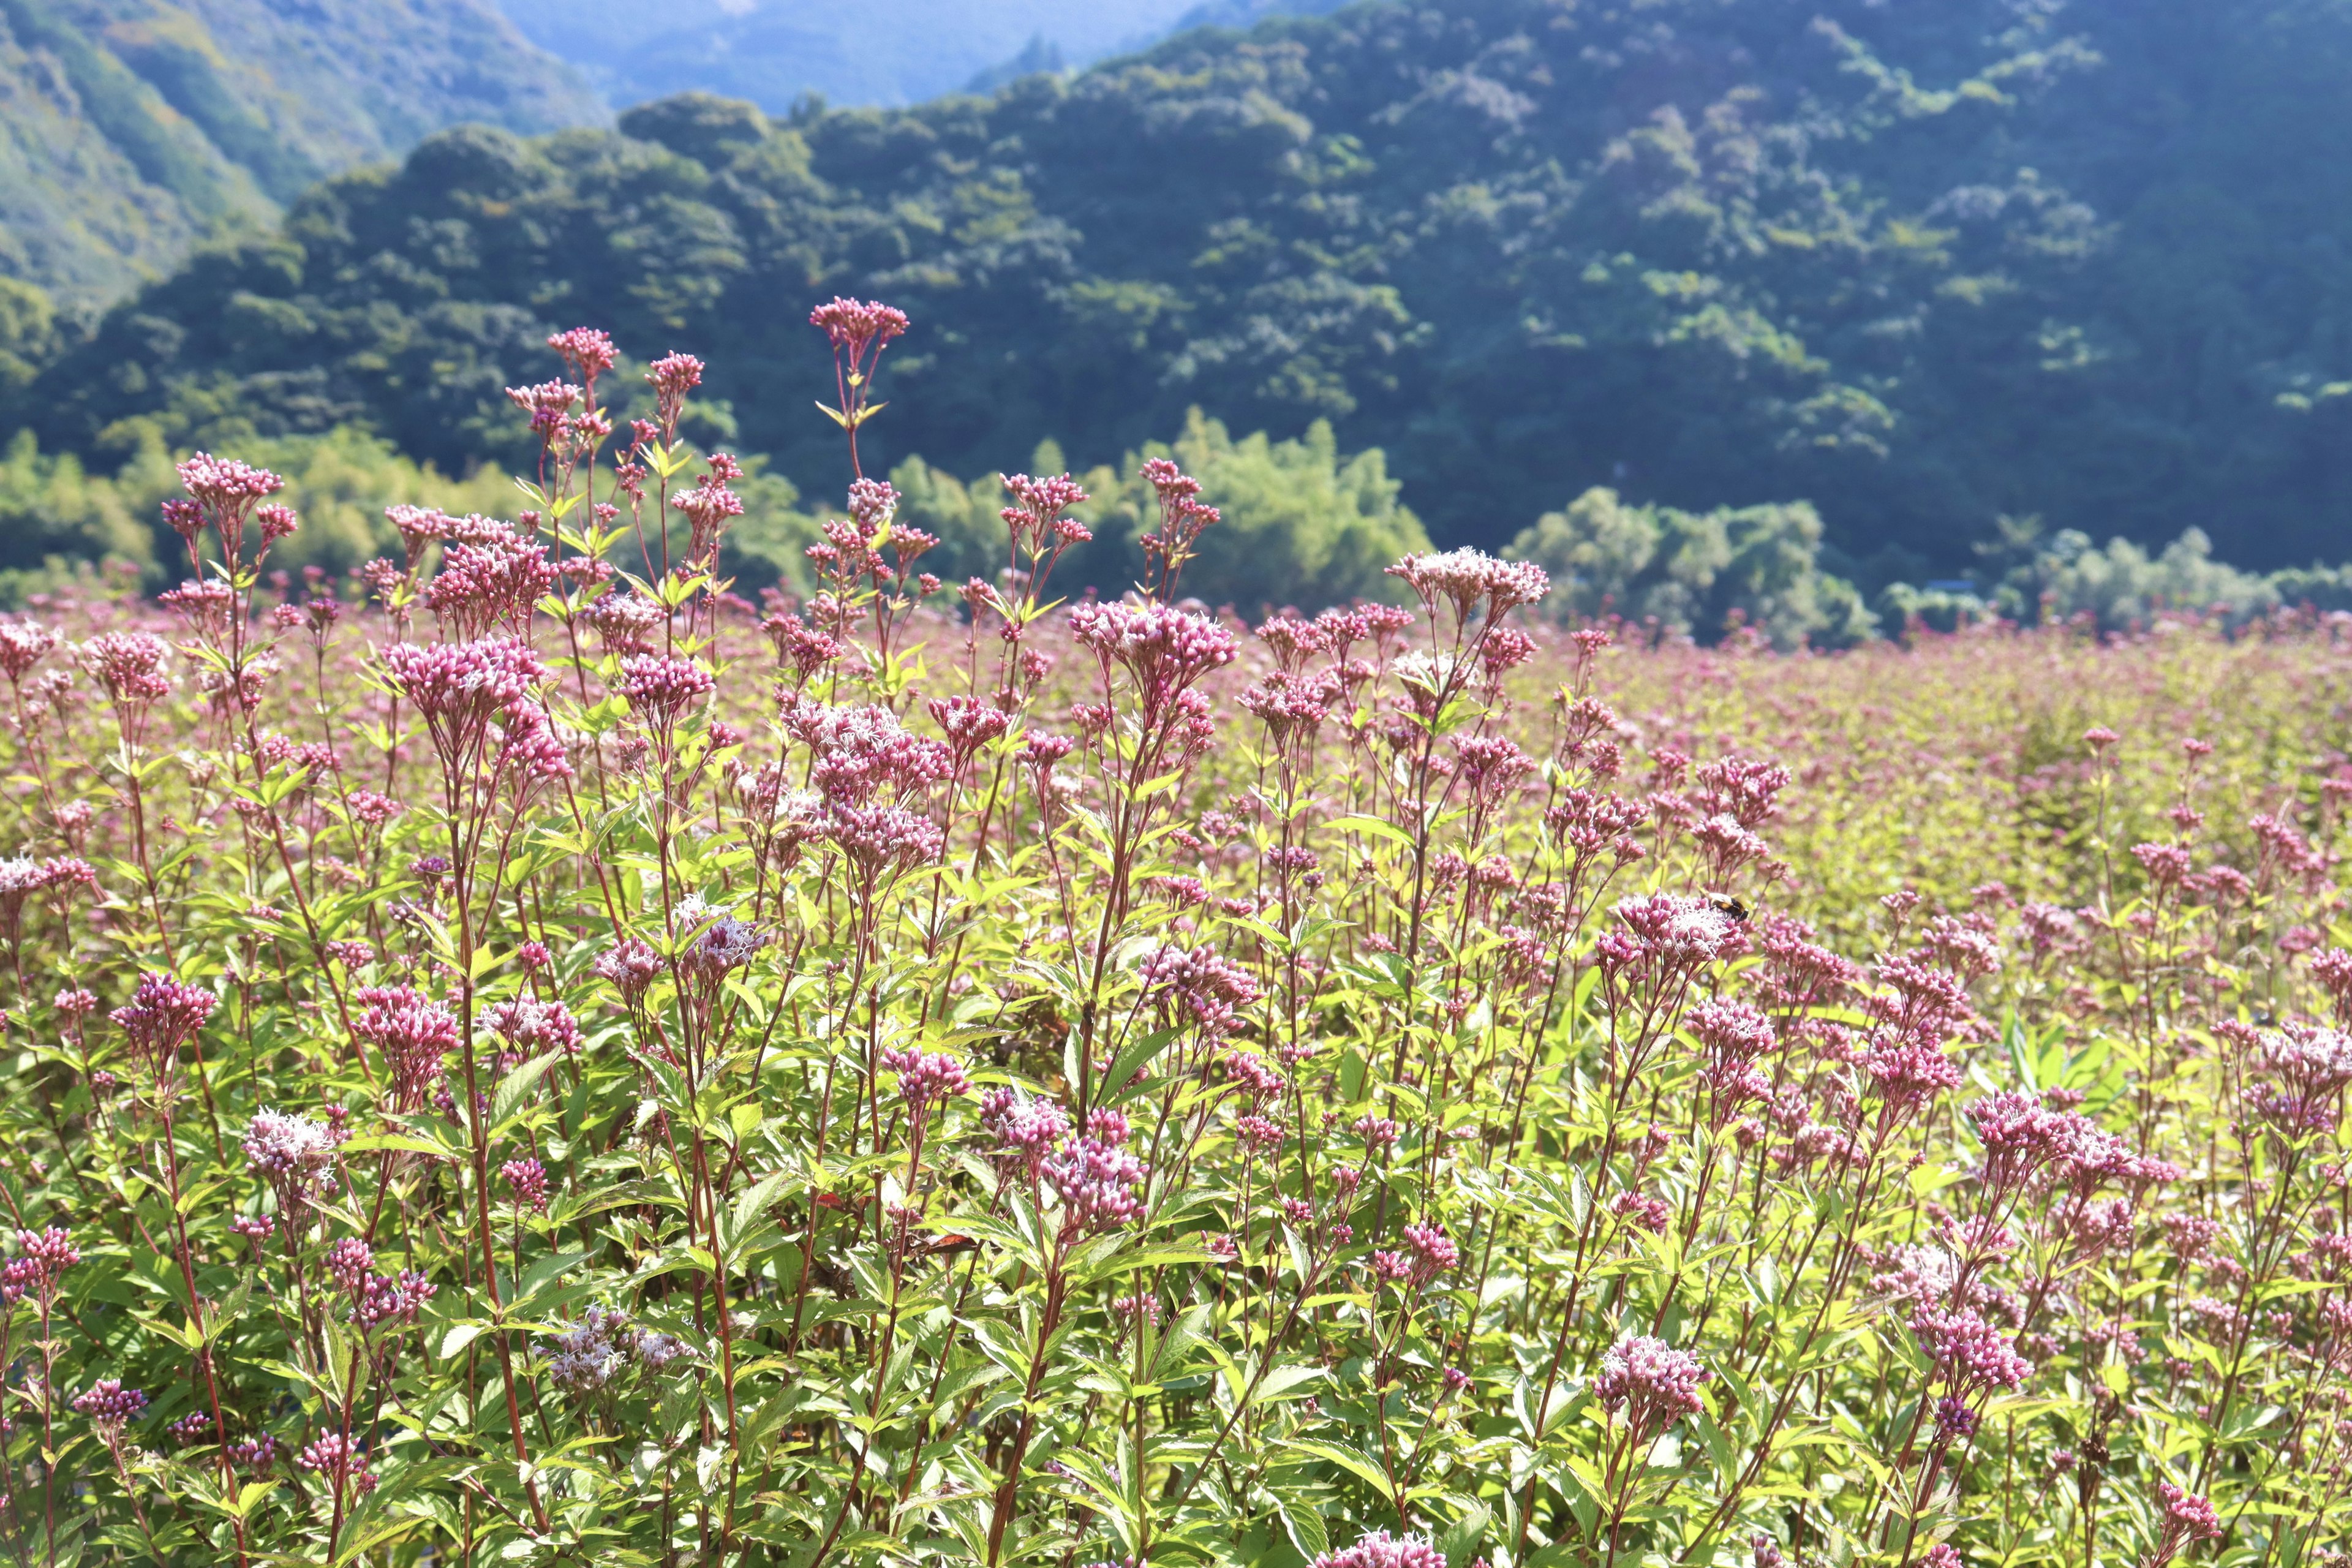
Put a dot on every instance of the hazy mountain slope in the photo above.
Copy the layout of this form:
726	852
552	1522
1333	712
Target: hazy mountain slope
772	51
130	127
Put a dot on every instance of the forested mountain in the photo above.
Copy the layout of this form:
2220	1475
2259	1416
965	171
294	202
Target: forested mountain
1922	265
129	128
772	51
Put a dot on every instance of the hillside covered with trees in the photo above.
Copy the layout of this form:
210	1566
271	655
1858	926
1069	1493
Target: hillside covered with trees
129	128
1922	267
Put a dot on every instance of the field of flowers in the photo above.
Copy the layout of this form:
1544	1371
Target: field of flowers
539	1060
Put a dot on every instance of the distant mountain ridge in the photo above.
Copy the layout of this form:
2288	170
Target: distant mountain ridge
131	128
883	52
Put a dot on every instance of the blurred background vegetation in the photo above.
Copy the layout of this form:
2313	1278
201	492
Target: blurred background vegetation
1831	313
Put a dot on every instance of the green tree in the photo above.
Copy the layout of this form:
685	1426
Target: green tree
1694	573
1301	524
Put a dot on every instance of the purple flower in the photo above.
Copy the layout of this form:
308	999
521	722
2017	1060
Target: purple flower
162	1016
294	1154
1655	1383
254	1454
412	1032
1096	1183
527	1179
110	1407
1381	1550
925	1079
339	1459
42	1257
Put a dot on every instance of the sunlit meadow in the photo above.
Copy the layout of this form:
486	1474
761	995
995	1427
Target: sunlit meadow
538	1059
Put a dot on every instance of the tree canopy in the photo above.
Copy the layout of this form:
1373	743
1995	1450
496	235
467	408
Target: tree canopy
1922	267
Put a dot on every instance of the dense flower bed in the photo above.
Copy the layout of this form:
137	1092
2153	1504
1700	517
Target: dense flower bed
543	1061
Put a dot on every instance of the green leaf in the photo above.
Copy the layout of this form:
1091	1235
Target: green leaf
516	1087
1353	1460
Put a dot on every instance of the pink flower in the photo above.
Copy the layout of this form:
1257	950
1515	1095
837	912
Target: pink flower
128	665
412	1032
2305	1069
1655	1383
548	403
1381	1550
924	1079
527	1179
1026	1130
672	376
1096	1183
852	326
1968	1354
660	688
1163	651
161	1017
585	351
1203	987
1473	581
529	1028
967	723
489	584
631	966
295	1154
42	1258
340	1461
708	507
23	645
110	1407
1434	1252
2188	1518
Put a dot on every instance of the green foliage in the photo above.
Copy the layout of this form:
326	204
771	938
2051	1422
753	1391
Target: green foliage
54	510
137	127
28	333
2065	576
51	507
1301	525
1696	573
1921	266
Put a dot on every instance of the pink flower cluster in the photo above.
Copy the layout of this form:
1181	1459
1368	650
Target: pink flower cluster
1026	1130
1655	1384
1206	989
294	1154
1971	1355
162	1016
340	1460
925	1078
42	1258
1472	582
1094	1178
1381	1550
529	1028
110	1406
412	1032
527	1179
